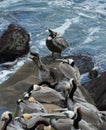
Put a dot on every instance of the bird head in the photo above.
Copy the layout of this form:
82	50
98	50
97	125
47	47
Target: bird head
52	33
6	116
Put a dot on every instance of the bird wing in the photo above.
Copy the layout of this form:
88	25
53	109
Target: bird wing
60	42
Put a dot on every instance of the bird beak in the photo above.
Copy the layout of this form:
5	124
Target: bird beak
59	109
54	115
62	60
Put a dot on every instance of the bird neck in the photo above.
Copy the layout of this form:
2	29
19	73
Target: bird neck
30	88
44	122
71	94
77	119
76	124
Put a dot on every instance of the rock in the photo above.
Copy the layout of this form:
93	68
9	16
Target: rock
97	89
14	43
93	74
18	83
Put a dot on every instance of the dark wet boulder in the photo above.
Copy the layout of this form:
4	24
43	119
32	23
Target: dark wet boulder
14	43
97	89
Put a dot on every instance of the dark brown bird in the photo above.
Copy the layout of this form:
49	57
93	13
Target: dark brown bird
46	72
55	44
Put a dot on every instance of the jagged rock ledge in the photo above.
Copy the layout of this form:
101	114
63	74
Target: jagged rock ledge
18	83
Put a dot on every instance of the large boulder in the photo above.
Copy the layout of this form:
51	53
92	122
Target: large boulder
18	83
14	43
97	89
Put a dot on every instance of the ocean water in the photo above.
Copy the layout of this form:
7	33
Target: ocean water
81	22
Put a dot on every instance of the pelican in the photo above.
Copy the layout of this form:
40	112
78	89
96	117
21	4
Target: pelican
46	72
55	44
70	123
42	83
78	123
89	112
6	117
31	105
61	86
69	69
46	94
33	121
74	92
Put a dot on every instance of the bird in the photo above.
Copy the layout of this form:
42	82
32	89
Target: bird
69	69
74	92
45	94
89	111
33	121
30	106
72	121
54	43
61	86
69	120
46	72
6	117
76	121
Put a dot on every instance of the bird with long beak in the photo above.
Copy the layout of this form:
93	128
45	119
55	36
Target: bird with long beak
54	43
70	120
46	72
6	118
69	69
74	93
33	121
89	111
45	94
31	105
78	123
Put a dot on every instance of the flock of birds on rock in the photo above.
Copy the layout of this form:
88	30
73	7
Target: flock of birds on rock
60	86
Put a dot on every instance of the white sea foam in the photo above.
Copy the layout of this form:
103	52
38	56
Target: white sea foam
66	25
13	67
90	37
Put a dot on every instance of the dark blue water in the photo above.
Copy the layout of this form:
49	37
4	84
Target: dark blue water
81	22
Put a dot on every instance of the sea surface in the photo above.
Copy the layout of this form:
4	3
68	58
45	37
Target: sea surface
81	22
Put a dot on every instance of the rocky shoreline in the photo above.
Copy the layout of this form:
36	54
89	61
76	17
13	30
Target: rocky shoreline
16	85
13	88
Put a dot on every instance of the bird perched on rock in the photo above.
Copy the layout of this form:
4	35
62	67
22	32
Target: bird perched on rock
45	94
33	121
7	124
46	73
31	105
69	69
55	44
